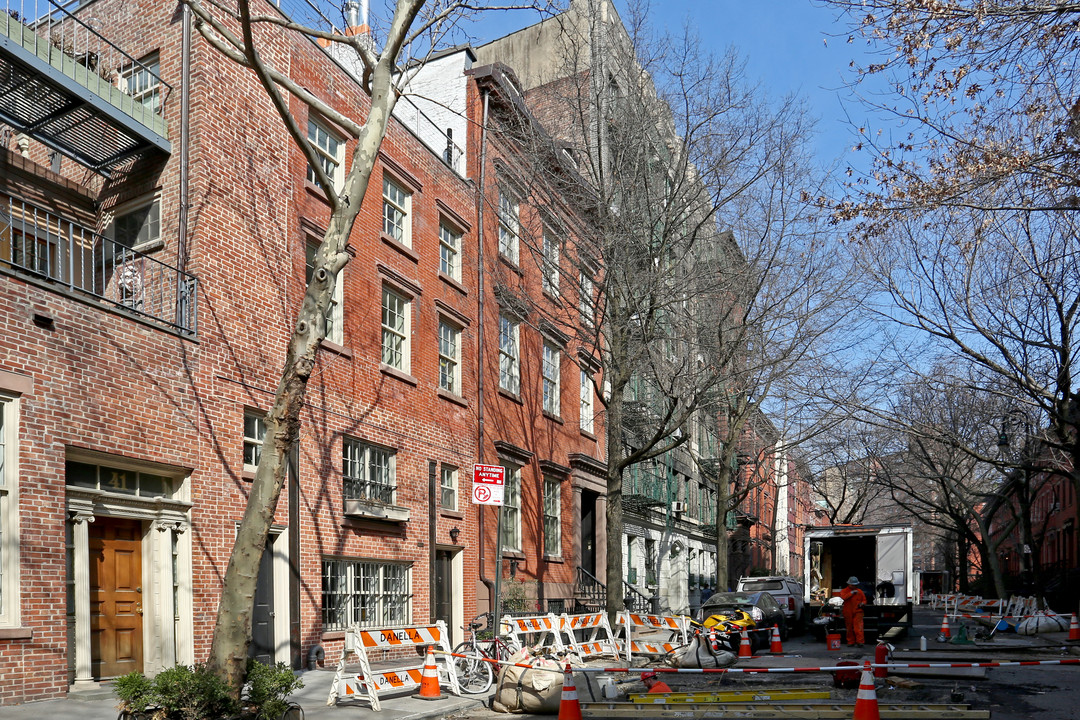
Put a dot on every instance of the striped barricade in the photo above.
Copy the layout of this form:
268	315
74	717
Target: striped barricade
539	626
677	625
599	641
368	684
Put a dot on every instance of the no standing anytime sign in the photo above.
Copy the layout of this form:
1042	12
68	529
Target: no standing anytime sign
488	481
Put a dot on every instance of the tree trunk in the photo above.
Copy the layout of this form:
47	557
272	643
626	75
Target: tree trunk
613	424
722	540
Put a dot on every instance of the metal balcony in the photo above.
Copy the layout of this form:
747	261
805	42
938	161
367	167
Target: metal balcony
52	251
63	84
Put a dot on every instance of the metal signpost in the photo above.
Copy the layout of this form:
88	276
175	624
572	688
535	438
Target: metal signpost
489	484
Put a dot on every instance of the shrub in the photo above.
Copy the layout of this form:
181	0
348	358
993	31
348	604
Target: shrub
268	686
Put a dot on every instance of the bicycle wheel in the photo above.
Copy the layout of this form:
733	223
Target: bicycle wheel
473	674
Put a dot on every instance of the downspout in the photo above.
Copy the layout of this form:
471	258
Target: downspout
480	509
185	126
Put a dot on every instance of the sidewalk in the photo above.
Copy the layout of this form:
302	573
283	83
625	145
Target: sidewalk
100	704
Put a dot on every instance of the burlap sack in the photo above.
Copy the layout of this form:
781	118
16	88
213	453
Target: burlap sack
520	690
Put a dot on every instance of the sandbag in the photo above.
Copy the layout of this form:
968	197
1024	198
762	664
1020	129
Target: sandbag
699	654
1042	622
520	690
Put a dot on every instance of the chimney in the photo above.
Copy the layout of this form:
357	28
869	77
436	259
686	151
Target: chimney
356	14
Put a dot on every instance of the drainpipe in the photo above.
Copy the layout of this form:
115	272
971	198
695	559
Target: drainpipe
185	109
480	344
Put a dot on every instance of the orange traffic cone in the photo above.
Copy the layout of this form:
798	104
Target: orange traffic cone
866	707
1074	629
744	645
944	633
569	707
429	681
775	646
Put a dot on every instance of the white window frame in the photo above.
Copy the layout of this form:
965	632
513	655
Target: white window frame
585	300
449	356
450	251
396	357
511	509
397	215
359	461
152	223
9	511
509	354
254	420
551	373
141	81
552	517
368	593
331	150
550	278
509	225
335	314
448	487
586	413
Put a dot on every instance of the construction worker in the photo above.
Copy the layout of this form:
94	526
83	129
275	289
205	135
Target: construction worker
854	601
654	684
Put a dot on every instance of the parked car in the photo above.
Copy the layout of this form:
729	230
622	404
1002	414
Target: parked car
745	610
787	591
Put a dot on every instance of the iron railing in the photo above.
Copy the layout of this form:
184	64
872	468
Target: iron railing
589	589
49	248
74	45
635	600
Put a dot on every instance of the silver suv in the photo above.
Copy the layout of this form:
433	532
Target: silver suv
787	591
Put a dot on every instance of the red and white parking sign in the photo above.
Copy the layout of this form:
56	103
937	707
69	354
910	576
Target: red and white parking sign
488	483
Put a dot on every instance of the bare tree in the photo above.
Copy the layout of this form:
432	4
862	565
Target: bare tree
240	34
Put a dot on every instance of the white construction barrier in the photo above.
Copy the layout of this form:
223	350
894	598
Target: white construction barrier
600	640
521	629
678	625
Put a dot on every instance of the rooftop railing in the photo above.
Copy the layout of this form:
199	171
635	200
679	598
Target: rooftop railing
57	251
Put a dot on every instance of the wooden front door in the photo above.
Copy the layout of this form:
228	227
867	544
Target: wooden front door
116	600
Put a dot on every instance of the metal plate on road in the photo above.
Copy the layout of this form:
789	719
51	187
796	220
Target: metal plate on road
800	711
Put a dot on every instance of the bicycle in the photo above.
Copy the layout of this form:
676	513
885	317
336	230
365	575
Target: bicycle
475	673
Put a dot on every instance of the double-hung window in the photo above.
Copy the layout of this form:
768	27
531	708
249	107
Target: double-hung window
396	204
9	508
586	412
395	330
368	472
550	372
141	81
448	478
509	355
254	432
511	539
509	225
369	594
449	252
552	517
550	278
449	357
331	152
137	225
335	314
585	300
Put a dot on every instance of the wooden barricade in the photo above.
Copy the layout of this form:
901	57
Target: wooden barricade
600	640
678	625
370	683
542	626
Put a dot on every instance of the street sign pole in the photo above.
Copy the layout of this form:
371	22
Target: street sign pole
498	577
489	486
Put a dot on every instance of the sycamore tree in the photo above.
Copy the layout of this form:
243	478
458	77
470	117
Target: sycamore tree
966	223
240	32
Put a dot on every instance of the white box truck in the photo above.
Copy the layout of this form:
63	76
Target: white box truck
880	556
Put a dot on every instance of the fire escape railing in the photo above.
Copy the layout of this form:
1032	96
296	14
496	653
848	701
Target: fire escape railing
51	249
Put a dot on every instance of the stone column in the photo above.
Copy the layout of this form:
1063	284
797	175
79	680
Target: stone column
601	538
80	531
163	613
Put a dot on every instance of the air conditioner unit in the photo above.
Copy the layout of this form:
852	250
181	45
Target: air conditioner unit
678	507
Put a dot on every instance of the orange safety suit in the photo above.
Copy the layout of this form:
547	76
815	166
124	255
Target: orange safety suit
854	599
659	687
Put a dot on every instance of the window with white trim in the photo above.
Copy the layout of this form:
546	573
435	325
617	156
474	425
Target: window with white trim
586	411
368	594
369	472
449	252
509	354
511	510
9	509
142	82
137	224
586	301
396	206
509	225
448	482
550	372
550	279
331	151
552	517
335	313
449	357
395	329
254	432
